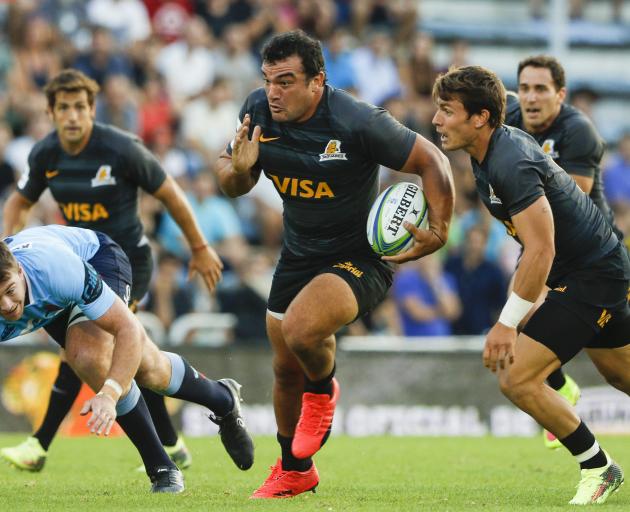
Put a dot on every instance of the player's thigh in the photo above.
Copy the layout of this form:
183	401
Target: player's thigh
89	352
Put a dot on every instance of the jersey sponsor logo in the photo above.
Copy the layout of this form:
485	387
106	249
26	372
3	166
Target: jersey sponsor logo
347	265
264	139
548	148
604	318
493	197
332	151
92	284
301	188
103	176
25	245
51	174
84	212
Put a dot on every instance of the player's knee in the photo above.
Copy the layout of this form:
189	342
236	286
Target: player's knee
296	335
516	389
619	381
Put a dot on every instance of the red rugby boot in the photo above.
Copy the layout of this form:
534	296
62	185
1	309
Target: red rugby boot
315	422
286	484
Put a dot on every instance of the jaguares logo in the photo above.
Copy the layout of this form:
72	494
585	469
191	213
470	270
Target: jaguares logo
493	197
302	188
548	148
332	151
84	212
103	176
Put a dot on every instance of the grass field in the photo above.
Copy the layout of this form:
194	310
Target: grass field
392	474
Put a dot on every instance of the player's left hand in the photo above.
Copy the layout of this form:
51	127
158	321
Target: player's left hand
498	352
208	264
103	408
425	242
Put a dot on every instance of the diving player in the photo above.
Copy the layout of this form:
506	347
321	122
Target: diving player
94	172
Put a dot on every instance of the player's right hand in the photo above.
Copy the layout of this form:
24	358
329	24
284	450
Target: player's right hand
245	151
103	408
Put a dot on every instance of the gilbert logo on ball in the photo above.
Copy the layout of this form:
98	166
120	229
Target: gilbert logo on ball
398	203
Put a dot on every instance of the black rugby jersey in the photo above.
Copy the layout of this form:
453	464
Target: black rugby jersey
98	188
326	168
574	144
515	173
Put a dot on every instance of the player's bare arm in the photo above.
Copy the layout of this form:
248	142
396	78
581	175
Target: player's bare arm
235	173
428	162
128	335
534	227
584	182
203	257
15	213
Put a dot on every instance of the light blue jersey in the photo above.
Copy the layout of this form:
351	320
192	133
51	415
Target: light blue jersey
58	275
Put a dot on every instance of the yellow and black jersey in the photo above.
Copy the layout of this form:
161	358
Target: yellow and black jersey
515	173
326	168
97	188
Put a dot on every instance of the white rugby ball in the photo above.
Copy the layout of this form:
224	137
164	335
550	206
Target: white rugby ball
401	202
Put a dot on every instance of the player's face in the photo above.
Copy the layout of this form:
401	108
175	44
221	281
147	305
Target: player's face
539	98
73	118
292	97
454	124
12	293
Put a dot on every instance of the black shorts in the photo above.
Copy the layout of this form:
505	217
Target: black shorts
113	267
368	277
580	313
141	262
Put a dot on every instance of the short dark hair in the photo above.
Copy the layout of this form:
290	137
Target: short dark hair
477	88
296	42
71	80
8	263
548	62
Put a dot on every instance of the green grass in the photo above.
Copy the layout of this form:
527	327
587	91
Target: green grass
383	473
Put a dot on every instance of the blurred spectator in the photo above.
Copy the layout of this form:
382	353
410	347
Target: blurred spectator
317	18
617	173
128	20
236	62
7	172
481	285
155	111
584	99
338	61
16	152
169	18
174	160
375	70
70	16
422	69
426	297
208	122
217	219
116	105
102	60
220	14
188	64
170	295
399	16
246	296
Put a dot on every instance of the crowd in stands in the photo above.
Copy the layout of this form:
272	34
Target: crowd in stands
175	72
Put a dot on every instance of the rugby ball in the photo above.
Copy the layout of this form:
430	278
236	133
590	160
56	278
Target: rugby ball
398	203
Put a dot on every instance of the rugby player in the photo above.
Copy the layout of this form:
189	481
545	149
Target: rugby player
94	172
568	245
569	137
75	283
322	149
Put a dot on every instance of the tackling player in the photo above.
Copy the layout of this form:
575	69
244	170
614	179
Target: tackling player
94	172
322	149
569	137
75	283
568	245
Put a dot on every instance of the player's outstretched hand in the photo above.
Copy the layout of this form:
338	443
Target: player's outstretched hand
425	242
207	262
244	150
103	409
498	352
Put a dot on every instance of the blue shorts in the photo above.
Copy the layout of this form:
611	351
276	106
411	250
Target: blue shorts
112	266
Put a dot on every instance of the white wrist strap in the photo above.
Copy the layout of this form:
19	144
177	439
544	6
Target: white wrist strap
114	385
514	310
